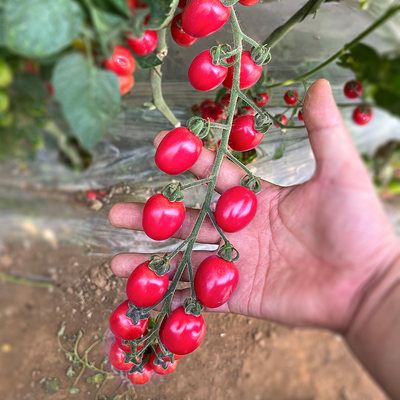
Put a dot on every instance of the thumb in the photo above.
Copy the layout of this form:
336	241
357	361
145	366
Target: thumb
329	137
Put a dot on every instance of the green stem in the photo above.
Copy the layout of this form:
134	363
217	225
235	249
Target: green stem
388	14
195	183
310	7
25	282
238	163
156	81
216	226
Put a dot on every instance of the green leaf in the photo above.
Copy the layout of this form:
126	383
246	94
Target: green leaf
388	100
41	28
104	21
89	97
161	13
29	86
148	61
74	390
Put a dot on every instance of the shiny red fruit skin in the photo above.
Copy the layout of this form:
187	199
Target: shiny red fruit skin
117	358
126	83
158	369
261	99
123	327
178	151
362	117
179	35
250	72
161	217
291	97
144	287
248	2
235	209
203	74
215	281
182	333
203	17
282	119
300	116
121	61
243	136
353	89
144	45
141	378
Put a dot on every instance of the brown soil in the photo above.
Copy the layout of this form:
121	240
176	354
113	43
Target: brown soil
240	358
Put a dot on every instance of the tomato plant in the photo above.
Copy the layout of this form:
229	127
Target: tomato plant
159	369
117	358
179	35
140	378
243	135
143	45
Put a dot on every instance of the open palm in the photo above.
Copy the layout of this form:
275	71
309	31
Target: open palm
313	250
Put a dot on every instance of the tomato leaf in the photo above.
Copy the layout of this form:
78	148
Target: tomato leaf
41	28
161	12
148	61
89	97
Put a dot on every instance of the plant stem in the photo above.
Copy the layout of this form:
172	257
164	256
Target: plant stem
388	14
25	282
195	183
310	7
156	81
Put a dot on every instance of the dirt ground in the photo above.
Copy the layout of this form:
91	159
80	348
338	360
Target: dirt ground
240	358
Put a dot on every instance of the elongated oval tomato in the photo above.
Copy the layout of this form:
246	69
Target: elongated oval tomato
178	151
178	34
121	62
161	217
144	45
250	72
117	358
140	378
203	74
158	369
144	287
182	333
244	136
123	326
215	281
203	17
235	209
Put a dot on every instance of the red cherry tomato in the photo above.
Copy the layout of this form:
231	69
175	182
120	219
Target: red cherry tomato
158	369
123	326
161	217
126	347
235	209
144	45
182	333
203	17
203	74
135	4
250	72
225	99
215	281
121	61
243	136
282	119
178	151
300	116
291	97
248	2
126	83
178	34
140	378
182	3
261	99
362	115
353	89
144	287
117	358
176	356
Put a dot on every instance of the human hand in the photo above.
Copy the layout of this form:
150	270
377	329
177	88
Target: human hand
312	252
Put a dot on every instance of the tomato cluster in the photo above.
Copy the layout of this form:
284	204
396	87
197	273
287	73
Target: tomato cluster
362	115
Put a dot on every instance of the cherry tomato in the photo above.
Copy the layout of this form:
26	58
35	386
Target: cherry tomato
126	83
291	97
203	74
123	326
182	333
144	287
121	61
282	119
140	378
248	2
182	3
178	151
215	281
203	17
158	369
243	136
362	115
176	356
261	99
225	99
144	45
117	358
218	112
300	116
161	217
235	209
353	89
126	347
250	72
178	34
246	111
